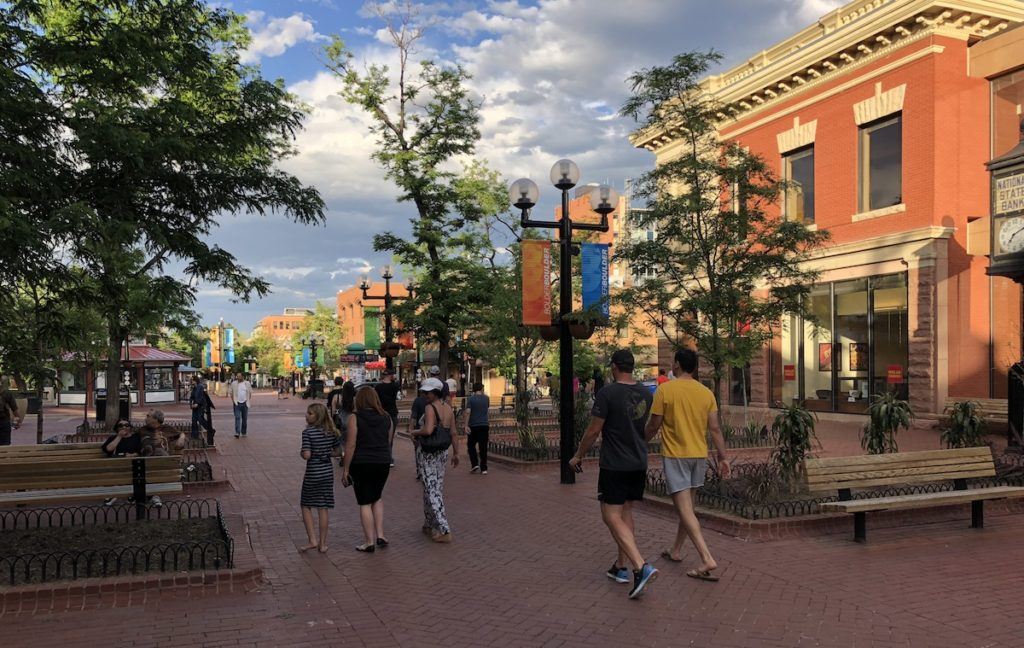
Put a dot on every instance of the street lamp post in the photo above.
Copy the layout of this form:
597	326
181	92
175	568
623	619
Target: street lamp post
388	299
315	340
603	200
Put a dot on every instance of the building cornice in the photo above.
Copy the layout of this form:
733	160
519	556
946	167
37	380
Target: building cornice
861	32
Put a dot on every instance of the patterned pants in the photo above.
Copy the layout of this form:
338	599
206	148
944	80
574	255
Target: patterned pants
432	471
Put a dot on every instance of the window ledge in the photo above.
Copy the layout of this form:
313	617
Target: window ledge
878	213
811	227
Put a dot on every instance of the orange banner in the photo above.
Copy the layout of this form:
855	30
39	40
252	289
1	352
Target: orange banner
536	283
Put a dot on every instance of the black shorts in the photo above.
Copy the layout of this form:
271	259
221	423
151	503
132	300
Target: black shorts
619	486
368	481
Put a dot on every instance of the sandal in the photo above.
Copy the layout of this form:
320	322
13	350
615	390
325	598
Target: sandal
382	542
702	574
305	548
667	555
366	548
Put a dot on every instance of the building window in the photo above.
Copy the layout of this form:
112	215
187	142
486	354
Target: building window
798	170
159	379
881	164
854	345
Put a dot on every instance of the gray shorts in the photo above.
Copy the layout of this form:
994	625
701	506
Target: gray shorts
684	474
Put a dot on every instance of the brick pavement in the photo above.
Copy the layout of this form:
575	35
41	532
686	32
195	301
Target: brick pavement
526	569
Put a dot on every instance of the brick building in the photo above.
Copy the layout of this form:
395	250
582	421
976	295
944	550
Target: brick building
351	313
880	114
283	327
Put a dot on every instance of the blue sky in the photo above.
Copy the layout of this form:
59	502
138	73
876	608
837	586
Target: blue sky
551	76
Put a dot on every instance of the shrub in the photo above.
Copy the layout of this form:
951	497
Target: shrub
793	430
964	427
887	413
530	439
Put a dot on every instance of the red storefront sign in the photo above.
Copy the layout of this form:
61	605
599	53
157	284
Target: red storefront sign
894	374
788	372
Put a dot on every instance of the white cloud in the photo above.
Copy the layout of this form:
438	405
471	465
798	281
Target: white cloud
287	273
274	36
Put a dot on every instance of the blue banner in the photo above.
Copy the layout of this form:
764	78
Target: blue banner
298	361
305	356
207	353
595	277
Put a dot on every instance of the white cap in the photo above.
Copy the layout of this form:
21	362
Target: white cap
452	385
434	371
431	384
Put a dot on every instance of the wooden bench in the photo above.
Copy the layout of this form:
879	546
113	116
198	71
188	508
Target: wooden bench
843	474
56	473
993	409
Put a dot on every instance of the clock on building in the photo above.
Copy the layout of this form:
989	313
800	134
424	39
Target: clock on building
1007	242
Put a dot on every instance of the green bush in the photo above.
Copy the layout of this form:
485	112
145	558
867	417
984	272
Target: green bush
887	413
793	430
965	426
530	439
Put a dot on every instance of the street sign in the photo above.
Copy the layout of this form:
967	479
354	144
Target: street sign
358	358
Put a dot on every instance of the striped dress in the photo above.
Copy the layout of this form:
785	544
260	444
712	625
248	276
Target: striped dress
318	483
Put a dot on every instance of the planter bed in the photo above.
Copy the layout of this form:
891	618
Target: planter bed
61	543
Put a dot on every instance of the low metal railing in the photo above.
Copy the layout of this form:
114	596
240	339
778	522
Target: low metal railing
111	561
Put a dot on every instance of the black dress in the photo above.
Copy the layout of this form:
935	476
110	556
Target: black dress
318	483
372	458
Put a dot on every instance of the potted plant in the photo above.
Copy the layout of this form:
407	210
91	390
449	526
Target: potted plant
794	430
582	324
965	426
886	415
391	349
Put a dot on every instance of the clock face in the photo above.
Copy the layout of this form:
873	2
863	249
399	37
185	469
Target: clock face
1011	235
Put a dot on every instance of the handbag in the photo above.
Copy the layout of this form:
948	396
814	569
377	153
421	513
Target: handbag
439	440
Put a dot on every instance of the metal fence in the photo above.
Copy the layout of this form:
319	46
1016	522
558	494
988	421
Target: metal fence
549	452
112	561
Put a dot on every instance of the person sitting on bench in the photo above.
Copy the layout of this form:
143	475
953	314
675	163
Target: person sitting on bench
157	439
124	442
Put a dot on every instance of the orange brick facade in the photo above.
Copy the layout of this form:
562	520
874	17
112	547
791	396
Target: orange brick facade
882	52
349	305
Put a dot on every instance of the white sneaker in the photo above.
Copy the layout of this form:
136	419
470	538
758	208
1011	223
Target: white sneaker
156	502
474	469
483	472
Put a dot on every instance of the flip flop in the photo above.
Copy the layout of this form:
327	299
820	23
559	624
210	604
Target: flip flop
703	575
668	556
306	548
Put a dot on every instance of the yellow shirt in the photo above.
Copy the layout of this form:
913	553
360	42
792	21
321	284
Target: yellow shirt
685	405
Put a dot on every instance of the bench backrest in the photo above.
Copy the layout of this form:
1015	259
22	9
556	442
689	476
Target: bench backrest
864	471
54	451
75	473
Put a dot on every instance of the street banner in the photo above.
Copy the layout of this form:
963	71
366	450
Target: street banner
305	356
207	355
371	316
215	346
229	345
536	283
595	277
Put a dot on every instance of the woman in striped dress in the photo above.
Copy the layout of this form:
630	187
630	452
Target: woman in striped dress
320	441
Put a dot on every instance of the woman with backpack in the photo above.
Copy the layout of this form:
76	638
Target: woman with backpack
436	437
342	407
368	463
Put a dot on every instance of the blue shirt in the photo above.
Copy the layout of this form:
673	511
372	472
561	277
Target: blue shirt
478	405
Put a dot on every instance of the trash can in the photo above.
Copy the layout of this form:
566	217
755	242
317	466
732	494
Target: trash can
124	407
101	404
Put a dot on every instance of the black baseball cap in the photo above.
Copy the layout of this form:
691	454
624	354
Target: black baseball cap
623	359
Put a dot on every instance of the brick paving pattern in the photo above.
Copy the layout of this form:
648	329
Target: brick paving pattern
526	569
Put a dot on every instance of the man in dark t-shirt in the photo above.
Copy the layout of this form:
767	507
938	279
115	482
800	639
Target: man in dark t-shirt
387	391
619	416
10	418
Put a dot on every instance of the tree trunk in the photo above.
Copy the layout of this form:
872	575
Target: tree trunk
442	355
115	341
39	391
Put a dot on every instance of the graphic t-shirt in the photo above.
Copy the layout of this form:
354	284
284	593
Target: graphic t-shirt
624	409
685	404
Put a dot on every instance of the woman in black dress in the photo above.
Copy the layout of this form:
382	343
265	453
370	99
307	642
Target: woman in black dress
367	464
320	440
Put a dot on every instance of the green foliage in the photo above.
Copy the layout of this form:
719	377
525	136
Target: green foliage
268	351
965	426
530	439
793	429
742	265
581	408
887	413
161	133
421	128
323	321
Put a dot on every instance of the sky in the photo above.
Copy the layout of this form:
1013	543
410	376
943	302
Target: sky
551	75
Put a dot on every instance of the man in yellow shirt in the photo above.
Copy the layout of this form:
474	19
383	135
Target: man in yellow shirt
684	410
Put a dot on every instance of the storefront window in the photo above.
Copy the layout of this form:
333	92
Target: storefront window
818	355
739	386
855	345
159	379
73	381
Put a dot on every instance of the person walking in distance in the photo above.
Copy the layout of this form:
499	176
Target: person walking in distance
197	402
10	418
241	393
618	416
439	420
320	441
684	411
477	429
387	392
367	464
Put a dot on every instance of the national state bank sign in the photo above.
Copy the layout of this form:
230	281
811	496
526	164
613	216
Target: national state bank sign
1007	231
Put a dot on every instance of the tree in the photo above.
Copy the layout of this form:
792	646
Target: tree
727	263
163	132
323	321
423	120
268	351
